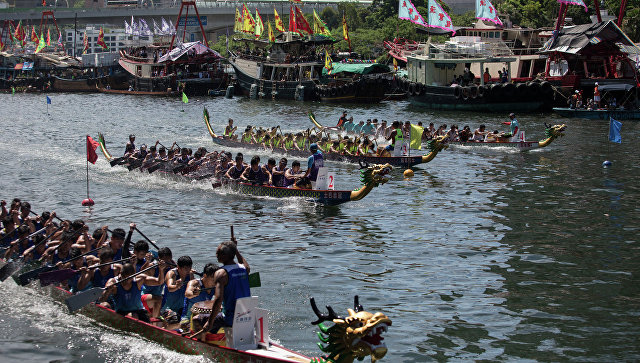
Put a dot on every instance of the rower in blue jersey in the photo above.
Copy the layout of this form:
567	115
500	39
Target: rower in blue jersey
99	276
126	295
314	163
256	174
151	294
198	290
231	284
117	242
80	265
60	252
176	284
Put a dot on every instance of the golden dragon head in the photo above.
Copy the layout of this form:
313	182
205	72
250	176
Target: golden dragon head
374	174
354	337
554	131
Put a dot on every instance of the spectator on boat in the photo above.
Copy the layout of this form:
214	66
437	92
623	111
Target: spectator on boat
231	283
499	76
314	163
454	81
479	134
573	100
505	75
513	122
590	104
613	104
486	77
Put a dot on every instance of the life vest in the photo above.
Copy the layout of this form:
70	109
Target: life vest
246	137
318	162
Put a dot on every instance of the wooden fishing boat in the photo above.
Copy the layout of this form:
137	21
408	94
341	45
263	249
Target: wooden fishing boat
74	85
434	148
139	93
551	133
600	114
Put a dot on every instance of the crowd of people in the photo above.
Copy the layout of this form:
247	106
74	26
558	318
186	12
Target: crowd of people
160	290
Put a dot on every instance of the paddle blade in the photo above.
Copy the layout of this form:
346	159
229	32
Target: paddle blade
28	276
254	280
77	302
52	277
8	269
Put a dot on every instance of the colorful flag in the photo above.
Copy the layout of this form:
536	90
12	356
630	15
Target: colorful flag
100	41
614	131
319	27
272	37
92	145
237	25
416	136
574	2
34	36
486	11
41	45
395	64
85	43
279	25
1	45
48	100
59	40
259	25
184	98
292	21
438	18
48	37
302	25
408	11
345	31
248	23
328	63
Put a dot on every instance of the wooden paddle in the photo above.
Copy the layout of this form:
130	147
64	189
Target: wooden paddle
52	277
12	267
147	238
85	298
26	277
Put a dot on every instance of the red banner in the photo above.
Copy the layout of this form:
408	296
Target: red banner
92	145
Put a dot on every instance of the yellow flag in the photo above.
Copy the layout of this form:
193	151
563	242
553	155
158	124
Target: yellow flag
395	64
248	23
319	27
345	31
279	25
416	136
272	37
259	28
237	25
328	63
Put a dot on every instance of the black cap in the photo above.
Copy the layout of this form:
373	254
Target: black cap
132	136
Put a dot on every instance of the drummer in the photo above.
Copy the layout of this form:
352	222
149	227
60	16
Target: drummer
198	290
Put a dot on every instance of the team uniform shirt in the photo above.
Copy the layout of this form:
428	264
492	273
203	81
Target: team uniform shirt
175	300
314	163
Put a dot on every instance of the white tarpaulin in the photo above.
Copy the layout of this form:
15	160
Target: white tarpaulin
193	47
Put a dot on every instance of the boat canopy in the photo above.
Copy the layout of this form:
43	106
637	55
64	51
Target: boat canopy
576	39
615	87
182	49
359	68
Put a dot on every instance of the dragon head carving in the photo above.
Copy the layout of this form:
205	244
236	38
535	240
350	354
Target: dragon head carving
438	144
554	131
354	337
374	174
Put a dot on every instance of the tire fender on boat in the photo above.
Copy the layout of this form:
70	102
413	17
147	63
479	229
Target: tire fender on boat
412	88
481	91
465	93
457	92
473	91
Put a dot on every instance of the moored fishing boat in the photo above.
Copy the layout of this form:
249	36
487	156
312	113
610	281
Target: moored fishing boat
354	81
433	147
602	114
551	133
138	93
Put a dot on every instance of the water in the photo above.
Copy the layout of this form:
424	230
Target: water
486	254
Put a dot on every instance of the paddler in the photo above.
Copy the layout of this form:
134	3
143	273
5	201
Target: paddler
314	163
99	276
256	174
235	171
395	136
230	130
177	280
231	283
342	120
278	172
152	294
131	146
127	293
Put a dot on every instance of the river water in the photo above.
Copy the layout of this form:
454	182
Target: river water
485	254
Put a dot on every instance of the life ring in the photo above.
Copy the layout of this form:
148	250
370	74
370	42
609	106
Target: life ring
473	91
465	93
457	92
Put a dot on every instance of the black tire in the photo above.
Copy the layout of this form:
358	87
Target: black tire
457	92
509	91
333	91
465	93
412	88
473	91
481	91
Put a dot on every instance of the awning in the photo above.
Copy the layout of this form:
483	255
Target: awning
359	68
574	40
615	87
18	66
182	49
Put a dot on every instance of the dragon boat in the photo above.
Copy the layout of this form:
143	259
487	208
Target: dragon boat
370	175
356	336
434	147
552	132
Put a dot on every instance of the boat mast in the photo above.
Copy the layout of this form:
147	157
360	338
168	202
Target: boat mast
182	5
